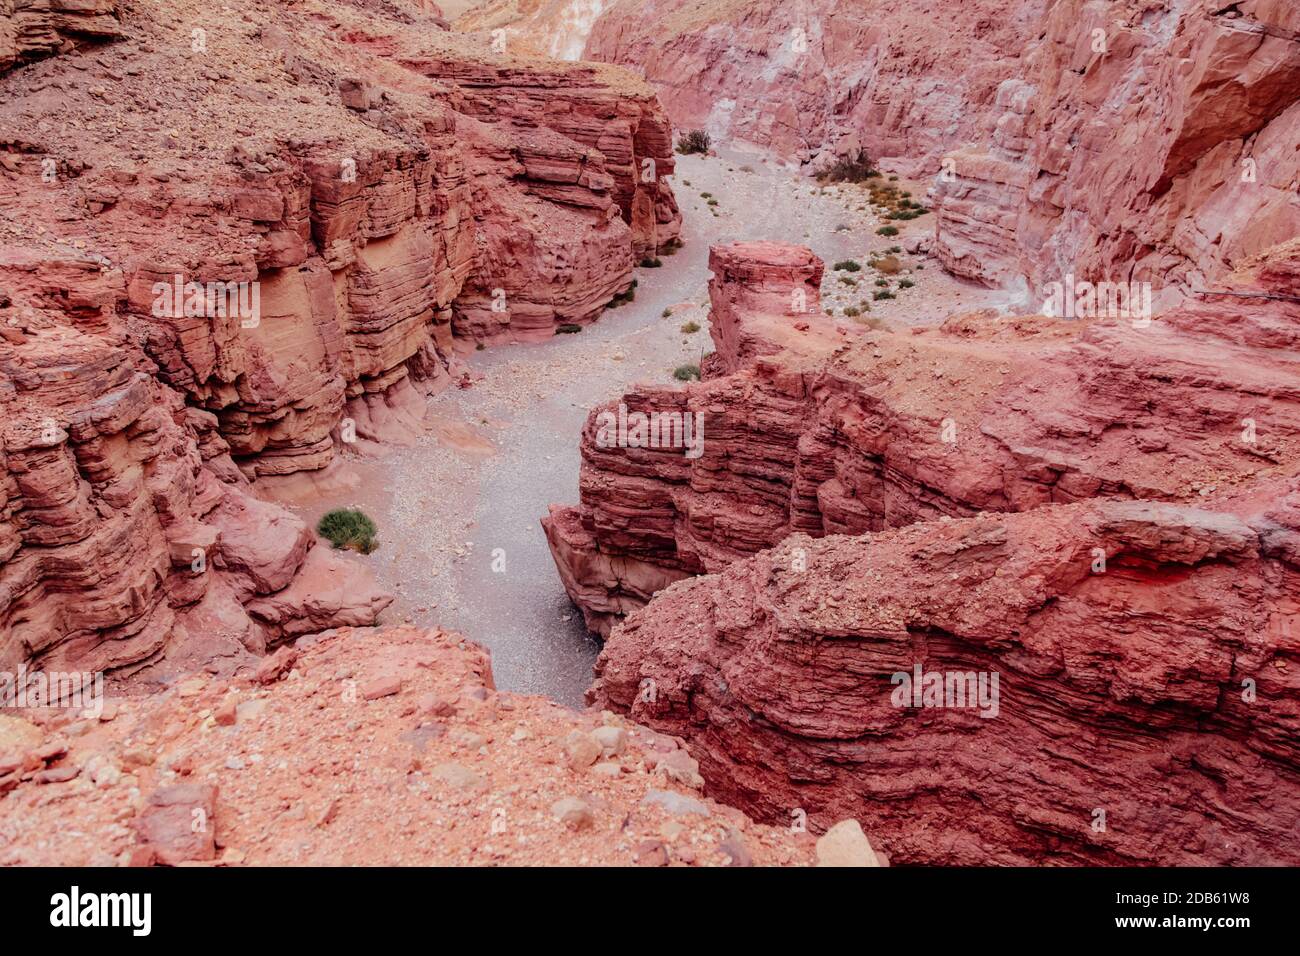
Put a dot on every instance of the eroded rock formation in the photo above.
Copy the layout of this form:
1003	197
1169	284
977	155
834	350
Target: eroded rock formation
1144	713
1109	141
235	241
985	437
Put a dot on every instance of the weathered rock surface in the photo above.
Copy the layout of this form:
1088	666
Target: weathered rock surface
1100	512
312	770
1108	141
1144	714
809	430
193	300
31	29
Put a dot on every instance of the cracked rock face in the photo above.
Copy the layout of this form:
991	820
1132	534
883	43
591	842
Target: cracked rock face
1143	714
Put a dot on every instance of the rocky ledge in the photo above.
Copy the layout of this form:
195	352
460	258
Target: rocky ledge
371	747
1098	511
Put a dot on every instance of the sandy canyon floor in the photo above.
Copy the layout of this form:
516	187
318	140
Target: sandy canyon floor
458	512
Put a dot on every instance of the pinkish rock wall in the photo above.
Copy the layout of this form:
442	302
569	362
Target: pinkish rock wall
193	300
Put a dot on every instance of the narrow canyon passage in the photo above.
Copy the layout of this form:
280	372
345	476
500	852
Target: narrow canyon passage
458	513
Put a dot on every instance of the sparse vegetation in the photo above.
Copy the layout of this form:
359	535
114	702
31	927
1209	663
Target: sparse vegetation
848	169
848	280
690	327
687	373
623	298
651	263
568	328
348	528
887	231
852	311
695	141
906	284
667	313
848	265
883	294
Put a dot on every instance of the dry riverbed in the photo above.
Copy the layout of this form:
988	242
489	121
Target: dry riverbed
458	513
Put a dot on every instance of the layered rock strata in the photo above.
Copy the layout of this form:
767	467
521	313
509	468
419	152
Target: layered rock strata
193	299
1106	141
1099	512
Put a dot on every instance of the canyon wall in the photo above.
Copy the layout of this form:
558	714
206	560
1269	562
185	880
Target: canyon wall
1147	140
984	440
1146	713
234	243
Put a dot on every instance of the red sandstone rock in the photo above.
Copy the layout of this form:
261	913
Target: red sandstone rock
807	432
364	185
1109	141
31	29
1156	692
314	799
179	823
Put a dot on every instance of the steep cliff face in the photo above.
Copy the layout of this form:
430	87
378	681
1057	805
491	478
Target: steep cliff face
907	80
31	29
1150	142
556	28
1124	141
1099	513
1140	711
195	298
825	429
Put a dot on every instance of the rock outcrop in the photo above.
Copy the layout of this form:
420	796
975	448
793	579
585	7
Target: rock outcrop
1097	511
235	772
31	29
199	307
815	427
1141	709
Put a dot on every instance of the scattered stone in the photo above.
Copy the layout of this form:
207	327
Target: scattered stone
581	750
574	812
612	740
845	845
733	845
178	822
457	776
276	666
651	853
381	687
678	804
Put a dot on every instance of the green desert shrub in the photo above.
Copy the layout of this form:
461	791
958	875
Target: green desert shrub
687	373
887	231
690	327
906	283
847	265
883	294
348	528
568	328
